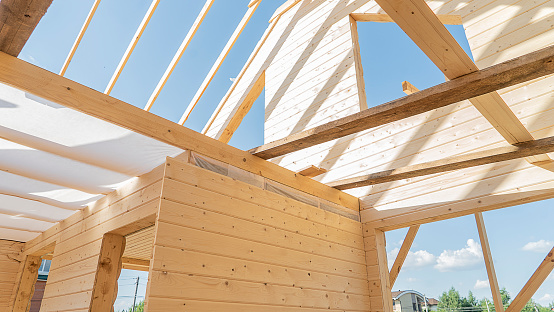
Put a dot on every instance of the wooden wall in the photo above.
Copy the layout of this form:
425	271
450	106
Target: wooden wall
225	245
309	81
78	240
11	255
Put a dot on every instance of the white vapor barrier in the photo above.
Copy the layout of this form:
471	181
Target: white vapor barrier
55	160
17	206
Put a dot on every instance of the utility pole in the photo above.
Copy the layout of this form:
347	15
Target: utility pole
136	290
487	302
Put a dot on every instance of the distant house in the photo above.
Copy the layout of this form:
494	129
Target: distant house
412	301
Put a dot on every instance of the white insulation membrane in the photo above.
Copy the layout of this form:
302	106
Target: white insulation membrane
55	160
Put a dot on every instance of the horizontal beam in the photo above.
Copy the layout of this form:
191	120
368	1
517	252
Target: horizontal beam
516	151
40	82
506	74
18	19
385	18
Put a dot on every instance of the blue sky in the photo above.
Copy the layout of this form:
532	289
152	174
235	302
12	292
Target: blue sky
444	253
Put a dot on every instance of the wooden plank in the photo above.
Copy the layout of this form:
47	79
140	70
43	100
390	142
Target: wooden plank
179	53
107	273
131	46
402	254
533	283
489	264
509	73
79	37
449	19
219	61
243	109
358	64
27	283
18	19
312	171
47	85
421	24
408	88
283	9
495	155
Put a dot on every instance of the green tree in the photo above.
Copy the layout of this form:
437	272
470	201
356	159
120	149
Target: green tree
505	295
139	307
452	301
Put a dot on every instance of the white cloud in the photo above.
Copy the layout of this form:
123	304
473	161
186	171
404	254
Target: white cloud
465	258
479	284
415	259
539	246
411	279
546	299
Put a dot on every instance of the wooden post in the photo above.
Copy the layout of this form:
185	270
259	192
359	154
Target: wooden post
384	276
495	290
358	64
27	283
107	273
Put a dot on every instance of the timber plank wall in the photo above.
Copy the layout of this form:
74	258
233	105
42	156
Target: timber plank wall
11	257
310	73
78	239
225	245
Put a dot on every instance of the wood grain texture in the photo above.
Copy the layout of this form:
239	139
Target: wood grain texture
18	19
40	82
519	150
402	254
107	273
11	259
509	73
489	264
26	285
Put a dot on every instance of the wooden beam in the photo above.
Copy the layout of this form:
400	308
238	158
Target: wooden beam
132	45
283	9
79	37
219	61
239	77
384	276
243	109
509	73
402	254
358	64
533	283
179	54
312	171
37	81
421	24
107	273
18	19
27	282
409	88
449	19
489	264
511	152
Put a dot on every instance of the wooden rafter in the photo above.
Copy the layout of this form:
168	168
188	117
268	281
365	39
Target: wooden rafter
132	45
421	24
18	19
408	88
283	8
487	255
533	283
42	83
79	37
385	18
179	53
511	152
403	253
239	77
219	61
509	73
360	83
